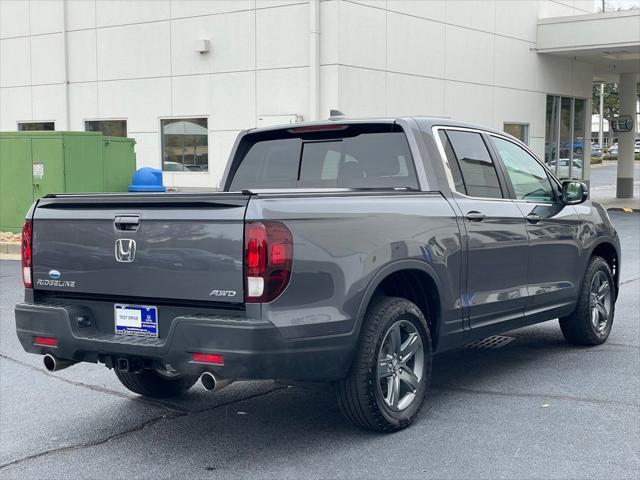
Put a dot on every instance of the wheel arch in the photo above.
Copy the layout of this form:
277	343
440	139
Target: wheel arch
609	252
398	279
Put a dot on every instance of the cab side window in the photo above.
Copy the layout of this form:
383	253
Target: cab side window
529	178
476	169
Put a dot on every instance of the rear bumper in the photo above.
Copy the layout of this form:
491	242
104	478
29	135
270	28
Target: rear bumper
252	349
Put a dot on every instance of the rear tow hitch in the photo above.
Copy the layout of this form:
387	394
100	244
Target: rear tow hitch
123	364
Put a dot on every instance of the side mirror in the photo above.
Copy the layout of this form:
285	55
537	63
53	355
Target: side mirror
574	192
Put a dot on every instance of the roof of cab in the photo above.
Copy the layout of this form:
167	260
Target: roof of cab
332	121
425	122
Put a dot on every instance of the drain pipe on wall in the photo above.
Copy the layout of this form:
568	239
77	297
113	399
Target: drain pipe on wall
66	65
314	59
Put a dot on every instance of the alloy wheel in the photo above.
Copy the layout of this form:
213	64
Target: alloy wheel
400	365
600	301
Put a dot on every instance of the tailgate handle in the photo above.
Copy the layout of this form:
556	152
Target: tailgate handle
127	223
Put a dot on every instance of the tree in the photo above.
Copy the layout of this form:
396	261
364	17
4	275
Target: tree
611	104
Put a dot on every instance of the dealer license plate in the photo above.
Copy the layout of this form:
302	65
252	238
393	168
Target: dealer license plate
138	320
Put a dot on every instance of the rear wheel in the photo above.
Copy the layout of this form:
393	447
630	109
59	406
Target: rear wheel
156	384
591	321
391	373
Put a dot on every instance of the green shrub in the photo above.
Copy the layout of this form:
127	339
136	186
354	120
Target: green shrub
606	156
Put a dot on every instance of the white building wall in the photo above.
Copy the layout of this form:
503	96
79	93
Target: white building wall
468	60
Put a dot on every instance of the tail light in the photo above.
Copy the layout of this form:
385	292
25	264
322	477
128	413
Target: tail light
25	253
268	259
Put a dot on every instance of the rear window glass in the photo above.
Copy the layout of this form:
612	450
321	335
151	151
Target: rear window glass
357	159
270	164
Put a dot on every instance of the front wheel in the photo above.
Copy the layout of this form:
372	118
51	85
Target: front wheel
591	321
156	384
391	372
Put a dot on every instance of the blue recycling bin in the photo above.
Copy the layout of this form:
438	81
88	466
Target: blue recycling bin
147	179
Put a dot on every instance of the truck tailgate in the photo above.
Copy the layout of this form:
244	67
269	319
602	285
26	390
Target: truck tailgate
163	246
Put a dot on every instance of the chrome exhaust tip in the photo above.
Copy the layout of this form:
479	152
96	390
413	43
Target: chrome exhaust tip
211	383
53	364
208	381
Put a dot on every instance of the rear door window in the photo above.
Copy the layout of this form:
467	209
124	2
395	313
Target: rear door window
475	164
453	163
349	158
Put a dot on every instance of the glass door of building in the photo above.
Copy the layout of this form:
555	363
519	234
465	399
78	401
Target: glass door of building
565	137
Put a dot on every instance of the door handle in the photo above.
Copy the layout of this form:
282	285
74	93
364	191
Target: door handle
474	216
533	218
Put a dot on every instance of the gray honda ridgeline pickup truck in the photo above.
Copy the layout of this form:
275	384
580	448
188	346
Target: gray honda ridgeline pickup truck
345	251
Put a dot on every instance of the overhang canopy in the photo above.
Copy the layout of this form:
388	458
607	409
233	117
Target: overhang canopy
609	41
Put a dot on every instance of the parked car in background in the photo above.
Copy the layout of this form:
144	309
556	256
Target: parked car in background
561	167
613	150
596	150
578	145
346	251
173	167
564	162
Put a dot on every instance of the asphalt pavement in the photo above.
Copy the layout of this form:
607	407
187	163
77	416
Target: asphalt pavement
535	408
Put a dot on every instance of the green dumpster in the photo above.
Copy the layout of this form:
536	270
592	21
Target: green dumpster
33	164
119	163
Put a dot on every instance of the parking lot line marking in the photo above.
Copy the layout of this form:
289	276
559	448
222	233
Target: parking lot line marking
623	209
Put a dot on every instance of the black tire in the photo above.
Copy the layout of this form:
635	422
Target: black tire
578	327
360	396
150	383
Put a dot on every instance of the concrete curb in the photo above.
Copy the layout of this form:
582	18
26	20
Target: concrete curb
10	248
623	209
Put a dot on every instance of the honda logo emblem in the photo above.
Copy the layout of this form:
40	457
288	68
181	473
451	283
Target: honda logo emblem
125	250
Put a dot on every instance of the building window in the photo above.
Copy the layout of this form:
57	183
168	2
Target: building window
184	145
110	128
35	126
518	130
564	136
579	116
